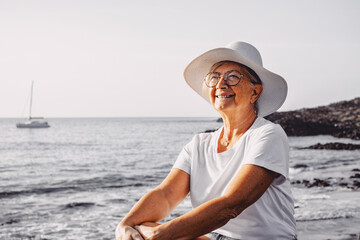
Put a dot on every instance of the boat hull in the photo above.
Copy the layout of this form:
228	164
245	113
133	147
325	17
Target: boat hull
33	125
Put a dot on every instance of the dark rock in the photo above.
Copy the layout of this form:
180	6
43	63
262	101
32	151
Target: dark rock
356	170
335	146
210	130
79	204
11	221
340	119
300	166
357	175
319	183
316	183
306	183
356	184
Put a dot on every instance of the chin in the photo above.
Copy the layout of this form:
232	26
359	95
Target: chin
222	107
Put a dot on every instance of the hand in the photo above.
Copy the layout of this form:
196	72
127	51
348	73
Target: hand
125	232
147	229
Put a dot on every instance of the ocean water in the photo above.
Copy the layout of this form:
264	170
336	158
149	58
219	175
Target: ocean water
77	179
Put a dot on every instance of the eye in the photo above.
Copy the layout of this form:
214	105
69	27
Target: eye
214	77
233	77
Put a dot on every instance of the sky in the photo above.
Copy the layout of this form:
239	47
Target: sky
110	58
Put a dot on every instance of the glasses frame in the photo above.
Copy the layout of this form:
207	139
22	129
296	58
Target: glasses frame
225	76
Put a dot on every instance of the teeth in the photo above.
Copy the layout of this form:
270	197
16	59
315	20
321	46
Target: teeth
229	96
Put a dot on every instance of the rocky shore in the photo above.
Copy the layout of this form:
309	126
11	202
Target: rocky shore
341	119
352	182
334	146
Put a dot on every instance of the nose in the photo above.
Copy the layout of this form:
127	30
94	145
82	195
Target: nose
222	84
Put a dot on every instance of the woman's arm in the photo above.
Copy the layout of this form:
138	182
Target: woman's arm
151	224
156	204
247	187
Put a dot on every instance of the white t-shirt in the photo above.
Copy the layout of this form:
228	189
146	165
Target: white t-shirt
264	144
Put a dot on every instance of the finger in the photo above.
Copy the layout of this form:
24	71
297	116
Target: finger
141	227
117	233
137	236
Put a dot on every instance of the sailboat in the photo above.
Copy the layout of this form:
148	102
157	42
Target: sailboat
33	122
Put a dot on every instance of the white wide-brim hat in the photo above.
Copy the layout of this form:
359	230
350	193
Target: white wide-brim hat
274	86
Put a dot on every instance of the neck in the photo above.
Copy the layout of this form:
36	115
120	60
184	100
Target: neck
235	125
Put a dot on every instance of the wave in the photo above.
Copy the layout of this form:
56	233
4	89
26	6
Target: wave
27	237
118	200
81	185
324	164
34	191
10	221
79	205
317	216
30	145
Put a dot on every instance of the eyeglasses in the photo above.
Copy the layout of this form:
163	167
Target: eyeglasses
231	78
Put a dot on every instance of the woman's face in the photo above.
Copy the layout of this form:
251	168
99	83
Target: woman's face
240	97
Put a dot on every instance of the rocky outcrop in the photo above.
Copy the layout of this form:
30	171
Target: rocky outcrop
341	119
334	146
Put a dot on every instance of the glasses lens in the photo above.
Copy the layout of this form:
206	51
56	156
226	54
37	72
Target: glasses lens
212	79
233	78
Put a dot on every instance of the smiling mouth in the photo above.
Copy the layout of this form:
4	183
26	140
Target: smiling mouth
225	96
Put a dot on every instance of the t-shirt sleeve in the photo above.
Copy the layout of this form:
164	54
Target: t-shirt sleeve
183	161
269	149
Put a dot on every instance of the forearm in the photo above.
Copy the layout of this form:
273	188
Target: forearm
152	207
247	187
207	217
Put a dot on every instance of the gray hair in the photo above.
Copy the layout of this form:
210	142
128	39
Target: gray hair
251	74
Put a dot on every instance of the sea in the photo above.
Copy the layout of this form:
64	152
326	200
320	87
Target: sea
79	178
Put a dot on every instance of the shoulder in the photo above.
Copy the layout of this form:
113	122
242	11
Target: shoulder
206	136
202	139
263	128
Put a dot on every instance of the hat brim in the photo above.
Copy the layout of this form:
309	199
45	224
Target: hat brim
274	86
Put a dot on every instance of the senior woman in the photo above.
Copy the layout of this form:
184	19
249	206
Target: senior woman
237	176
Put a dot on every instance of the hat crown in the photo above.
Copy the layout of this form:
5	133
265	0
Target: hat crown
247	50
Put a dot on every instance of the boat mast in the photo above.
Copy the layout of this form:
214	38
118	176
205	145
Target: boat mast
32	84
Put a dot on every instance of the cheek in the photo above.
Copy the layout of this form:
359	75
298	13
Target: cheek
210	92
244	93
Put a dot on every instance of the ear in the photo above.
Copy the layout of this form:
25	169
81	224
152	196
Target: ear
258	88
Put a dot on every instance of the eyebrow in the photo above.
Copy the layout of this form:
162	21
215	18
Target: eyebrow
228	72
